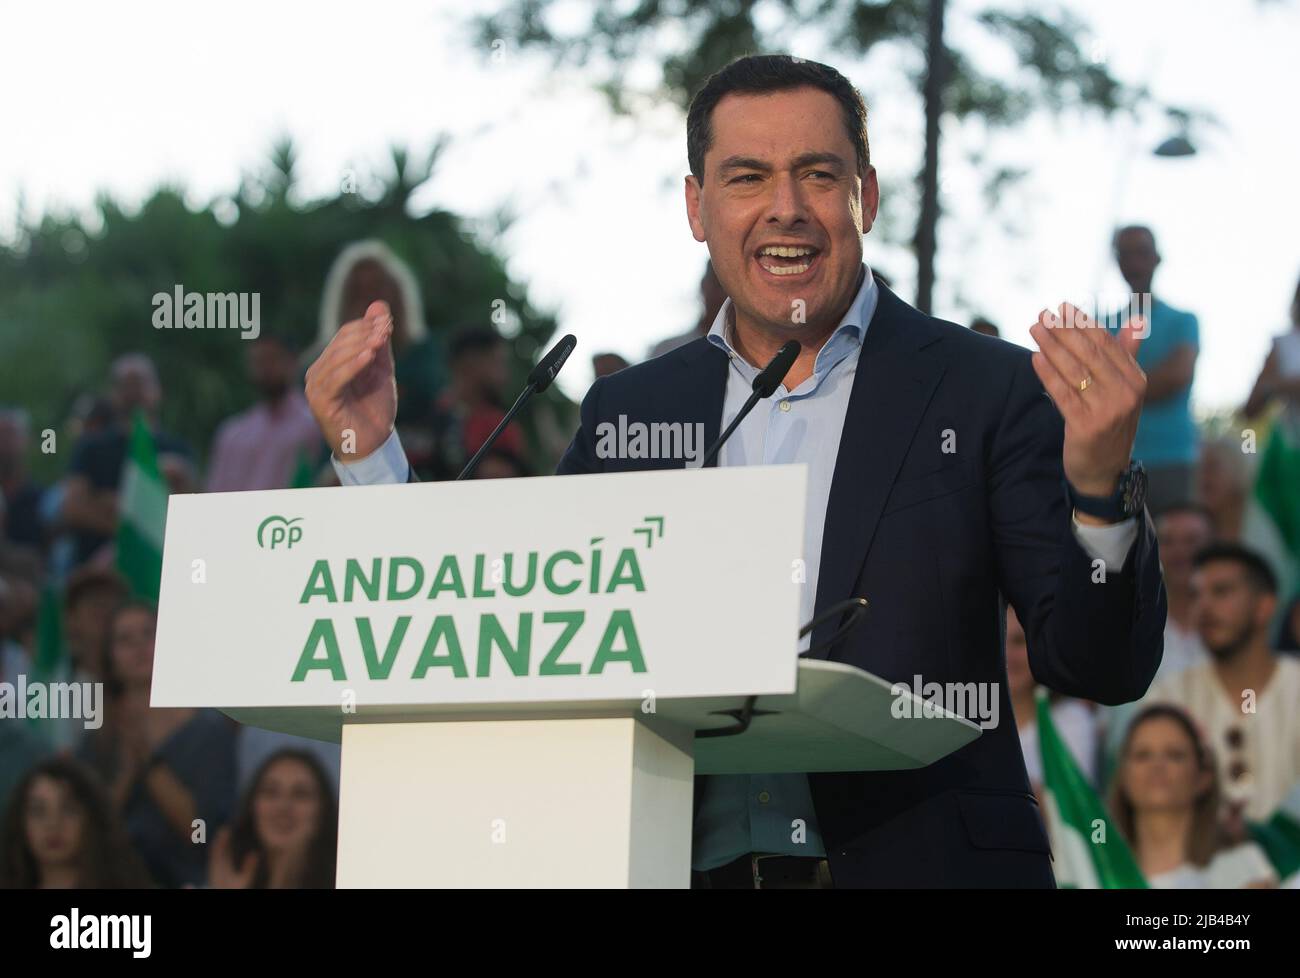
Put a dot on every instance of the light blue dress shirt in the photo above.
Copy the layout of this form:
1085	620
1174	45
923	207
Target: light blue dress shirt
773	813
1167	432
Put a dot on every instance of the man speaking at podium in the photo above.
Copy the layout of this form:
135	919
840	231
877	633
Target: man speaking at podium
942	481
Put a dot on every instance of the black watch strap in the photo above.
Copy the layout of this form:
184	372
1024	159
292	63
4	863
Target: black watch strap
1103	507
1127	500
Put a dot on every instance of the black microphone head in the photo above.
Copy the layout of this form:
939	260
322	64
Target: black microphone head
550	365
770	377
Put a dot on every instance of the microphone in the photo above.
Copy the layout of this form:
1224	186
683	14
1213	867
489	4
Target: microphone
539	378
765	385
770	377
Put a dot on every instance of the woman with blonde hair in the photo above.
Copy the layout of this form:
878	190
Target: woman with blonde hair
1165	800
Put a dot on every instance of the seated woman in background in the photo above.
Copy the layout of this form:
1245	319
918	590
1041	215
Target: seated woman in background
170	771
60	832
1165	799
285	833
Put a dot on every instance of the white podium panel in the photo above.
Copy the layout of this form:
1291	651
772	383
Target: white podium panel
501	803
517	668
509	591
493	655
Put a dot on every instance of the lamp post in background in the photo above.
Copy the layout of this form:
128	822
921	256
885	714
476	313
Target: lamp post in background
1177	145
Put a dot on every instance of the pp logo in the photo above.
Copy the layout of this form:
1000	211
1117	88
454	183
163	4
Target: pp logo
278	531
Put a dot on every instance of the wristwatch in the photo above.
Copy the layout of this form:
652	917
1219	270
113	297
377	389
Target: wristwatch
1129	497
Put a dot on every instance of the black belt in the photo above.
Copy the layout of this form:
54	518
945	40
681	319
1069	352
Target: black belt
760	871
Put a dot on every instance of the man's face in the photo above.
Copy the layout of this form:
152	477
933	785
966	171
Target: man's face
1218	481
1228	611
135	385
1135	251
13	442
270	368
1181	534
782	171
604	364
486	372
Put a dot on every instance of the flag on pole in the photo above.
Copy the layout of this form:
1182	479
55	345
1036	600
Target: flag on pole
1279	837
1277	488
1088	851
142	505
49	657
304	474
50	661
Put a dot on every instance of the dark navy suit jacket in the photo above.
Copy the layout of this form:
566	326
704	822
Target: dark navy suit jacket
934	541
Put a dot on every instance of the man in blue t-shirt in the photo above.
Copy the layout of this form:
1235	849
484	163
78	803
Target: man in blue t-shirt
1166	437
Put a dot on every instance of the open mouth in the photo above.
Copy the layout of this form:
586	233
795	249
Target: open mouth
787	261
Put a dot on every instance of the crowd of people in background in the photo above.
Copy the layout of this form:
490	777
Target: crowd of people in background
185	797
181	797
1214	746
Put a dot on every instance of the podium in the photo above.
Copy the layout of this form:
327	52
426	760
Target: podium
522	673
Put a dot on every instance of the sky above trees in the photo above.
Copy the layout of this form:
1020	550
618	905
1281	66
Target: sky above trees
197	94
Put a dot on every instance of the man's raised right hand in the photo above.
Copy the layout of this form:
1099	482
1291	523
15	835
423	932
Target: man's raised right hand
351	387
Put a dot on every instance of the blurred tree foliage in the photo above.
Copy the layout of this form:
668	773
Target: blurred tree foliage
75	291
691	39
679	43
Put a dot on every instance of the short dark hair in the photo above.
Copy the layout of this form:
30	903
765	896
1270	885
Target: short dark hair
1126	229
89	579
1184	506
1258	573
272	338
473	339
760	73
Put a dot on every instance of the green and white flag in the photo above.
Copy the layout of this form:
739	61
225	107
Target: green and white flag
304	475
51	652
1279	837
142	504
50	663
1277	495
1088	851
